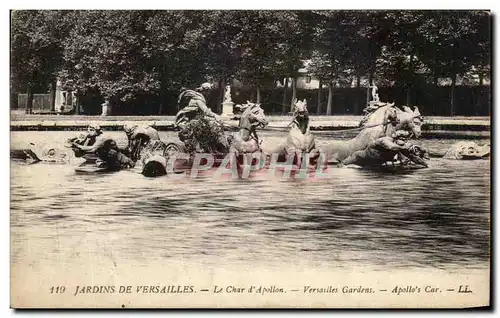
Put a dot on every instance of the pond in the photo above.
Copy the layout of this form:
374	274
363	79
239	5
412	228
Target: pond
437	217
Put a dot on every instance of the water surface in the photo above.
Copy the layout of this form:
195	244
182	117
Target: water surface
431	218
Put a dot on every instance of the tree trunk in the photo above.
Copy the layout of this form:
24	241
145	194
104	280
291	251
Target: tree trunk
479	95
356	100
452	104
29	100
285	89
368	91
258	95
294	93
220	100
162	90
410	83
53	87
435	90
330	98
408	96
318	110
76	103
78	106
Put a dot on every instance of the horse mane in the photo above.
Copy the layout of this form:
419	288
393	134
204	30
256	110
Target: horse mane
406	109
375	114
244	108
406	113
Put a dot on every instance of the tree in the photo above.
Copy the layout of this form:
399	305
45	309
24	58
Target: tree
451	43
130	56
481	61
331	52
398	60
37	49
111	51
347	45
219	46
294	31
175	40
261	57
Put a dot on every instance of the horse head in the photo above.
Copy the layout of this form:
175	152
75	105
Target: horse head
380	121
300	116
252	115
300	109
410	120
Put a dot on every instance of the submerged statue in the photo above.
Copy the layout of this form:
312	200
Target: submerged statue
464	150
100	150
382	121
389	149
33	154
139	138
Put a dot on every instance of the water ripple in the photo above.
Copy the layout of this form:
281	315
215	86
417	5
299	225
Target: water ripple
436	217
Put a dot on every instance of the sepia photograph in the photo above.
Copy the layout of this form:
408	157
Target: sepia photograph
250	158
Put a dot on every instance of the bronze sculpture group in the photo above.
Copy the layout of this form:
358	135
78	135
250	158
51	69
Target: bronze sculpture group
383	140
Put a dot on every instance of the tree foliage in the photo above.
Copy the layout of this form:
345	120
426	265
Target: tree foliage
37	47
126	55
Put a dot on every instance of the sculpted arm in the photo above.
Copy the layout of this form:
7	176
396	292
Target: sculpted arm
389	144
98	143
205	109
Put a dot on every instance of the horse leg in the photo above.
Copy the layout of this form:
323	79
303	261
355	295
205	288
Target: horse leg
356	158
240	163
291	157
314	156
299	160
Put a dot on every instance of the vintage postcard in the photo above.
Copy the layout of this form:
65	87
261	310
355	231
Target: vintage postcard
250	159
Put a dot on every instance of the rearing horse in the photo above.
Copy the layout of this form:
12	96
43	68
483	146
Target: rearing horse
246	139
299	139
